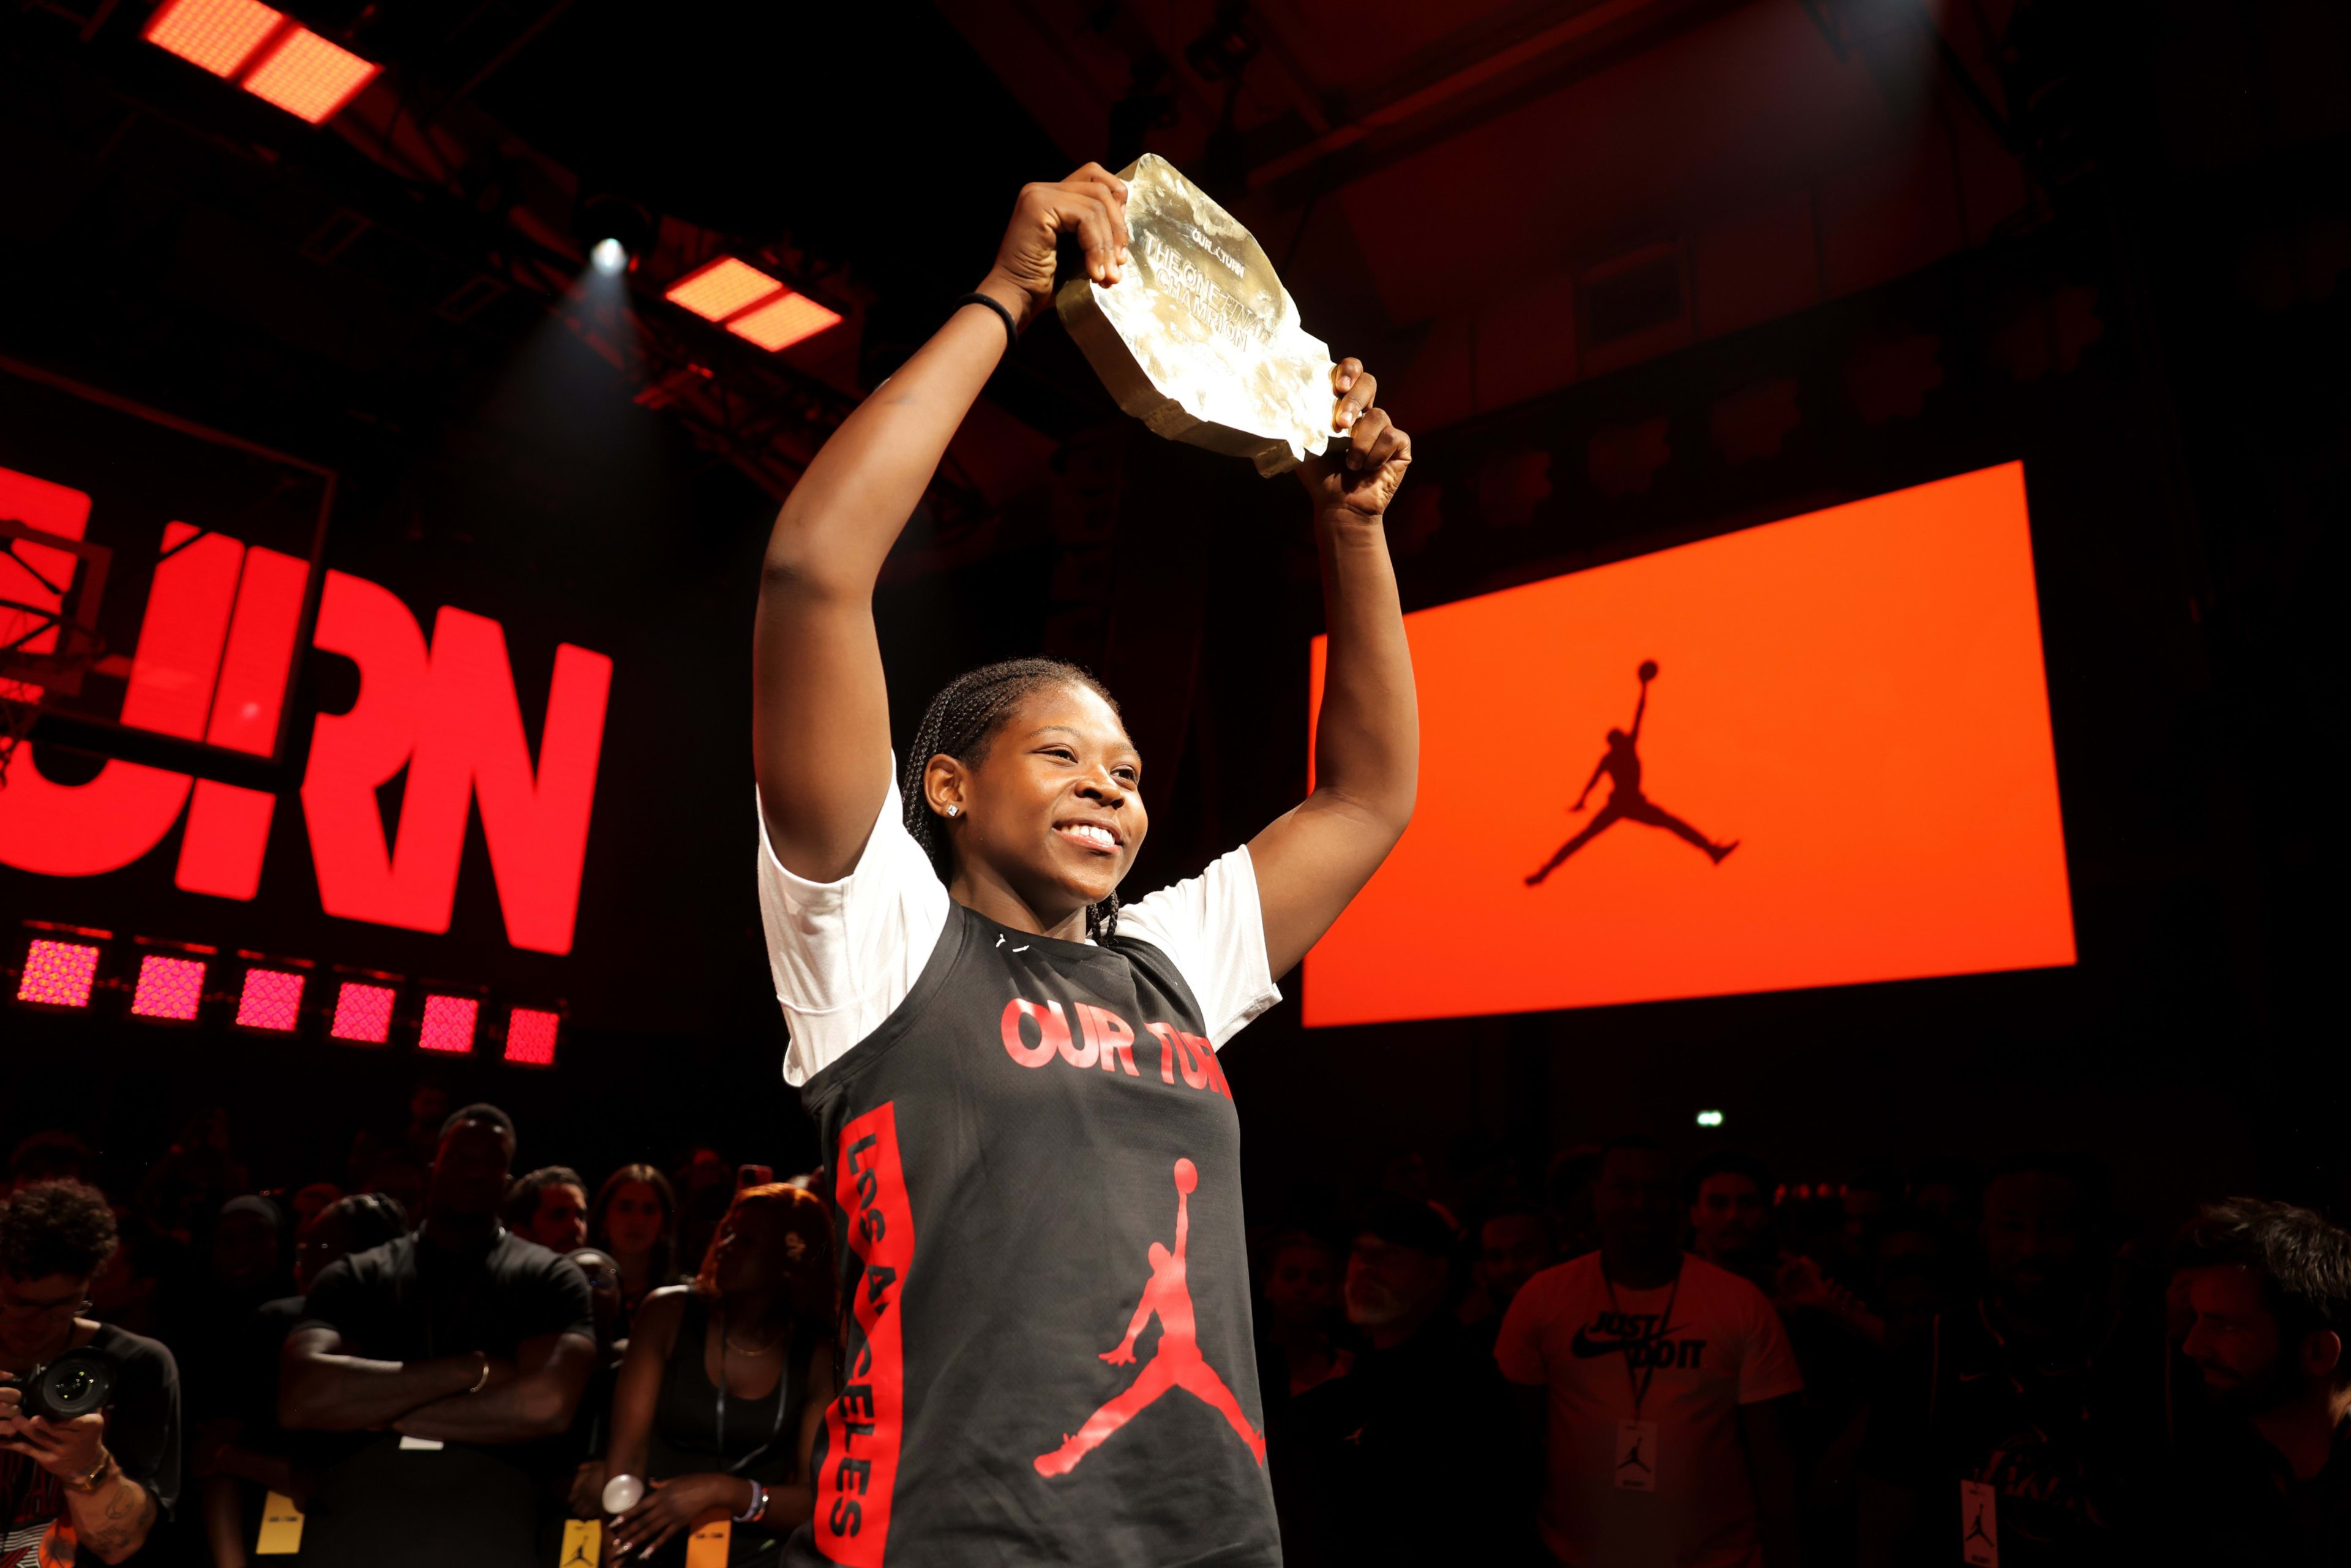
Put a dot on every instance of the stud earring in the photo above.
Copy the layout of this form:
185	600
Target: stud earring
952	810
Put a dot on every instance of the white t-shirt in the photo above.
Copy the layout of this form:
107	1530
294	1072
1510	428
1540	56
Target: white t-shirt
845	953
1723	1349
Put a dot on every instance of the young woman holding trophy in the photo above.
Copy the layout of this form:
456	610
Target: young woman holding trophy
1028	1133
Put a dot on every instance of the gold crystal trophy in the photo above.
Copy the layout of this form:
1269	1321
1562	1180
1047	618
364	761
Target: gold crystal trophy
1200	339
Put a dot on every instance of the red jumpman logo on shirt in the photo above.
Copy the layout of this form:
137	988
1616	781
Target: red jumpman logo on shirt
1176	1362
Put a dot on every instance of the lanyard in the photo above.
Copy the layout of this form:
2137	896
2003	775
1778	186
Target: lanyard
1640	1385
783	1378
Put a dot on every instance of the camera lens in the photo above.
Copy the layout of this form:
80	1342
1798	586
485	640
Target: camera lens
70	1388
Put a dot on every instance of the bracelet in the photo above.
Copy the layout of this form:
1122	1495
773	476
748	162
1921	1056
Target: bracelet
758	1504
89	1483
483	1381
1011	331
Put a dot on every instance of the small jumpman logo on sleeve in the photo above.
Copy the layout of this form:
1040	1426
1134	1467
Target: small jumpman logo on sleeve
1622	764
1176	1364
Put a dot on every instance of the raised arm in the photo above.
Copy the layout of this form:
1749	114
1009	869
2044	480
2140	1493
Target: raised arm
1316	856
820	717
1591	784
1640	712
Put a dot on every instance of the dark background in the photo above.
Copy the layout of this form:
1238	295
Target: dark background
2140	295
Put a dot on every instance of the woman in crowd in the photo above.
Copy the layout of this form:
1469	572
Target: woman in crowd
635	1221
1015	1074
725	1383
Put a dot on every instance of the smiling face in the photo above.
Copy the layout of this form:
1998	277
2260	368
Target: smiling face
1051	812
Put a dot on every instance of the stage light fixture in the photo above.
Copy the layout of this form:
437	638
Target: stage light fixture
308	76
218	34
609	256
530	1037
57	974
271	999
362	1013
783	321
1709	1118
718	289
170	989
448	1025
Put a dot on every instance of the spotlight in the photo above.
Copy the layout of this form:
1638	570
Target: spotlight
614	230
1709	1118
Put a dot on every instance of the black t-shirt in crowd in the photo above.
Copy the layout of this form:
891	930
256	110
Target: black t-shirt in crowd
1045	1340
2069	1440
143	1433
1413	1456
2233	1501
376	1502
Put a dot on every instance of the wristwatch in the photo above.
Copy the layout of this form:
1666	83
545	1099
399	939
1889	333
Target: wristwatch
89	1483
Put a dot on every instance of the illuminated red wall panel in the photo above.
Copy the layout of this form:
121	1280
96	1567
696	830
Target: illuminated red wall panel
271	999
362	1013
1854	696
448	1024
57	974
530	1037
169	988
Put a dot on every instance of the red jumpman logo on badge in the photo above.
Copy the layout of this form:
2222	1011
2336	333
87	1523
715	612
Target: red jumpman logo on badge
1175	1364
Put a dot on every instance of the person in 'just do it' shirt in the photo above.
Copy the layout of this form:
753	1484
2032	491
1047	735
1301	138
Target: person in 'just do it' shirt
1663	1443
1046	1348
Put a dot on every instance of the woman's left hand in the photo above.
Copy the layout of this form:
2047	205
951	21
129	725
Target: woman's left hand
671	1506
1358	473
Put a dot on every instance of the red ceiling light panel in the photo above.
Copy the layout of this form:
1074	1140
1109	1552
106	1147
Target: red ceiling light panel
362	1014
169	988
780	323
448	1024
750	304
309	77
218	34
720	289
277	62
57	974
271	999
530	1037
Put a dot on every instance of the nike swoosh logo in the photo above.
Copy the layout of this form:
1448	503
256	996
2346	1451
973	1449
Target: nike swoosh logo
1584	1347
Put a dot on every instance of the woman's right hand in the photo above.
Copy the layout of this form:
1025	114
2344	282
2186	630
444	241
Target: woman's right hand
1090	204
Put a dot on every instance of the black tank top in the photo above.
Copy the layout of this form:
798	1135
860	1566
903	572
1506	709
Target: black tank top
1037	1161
761	1435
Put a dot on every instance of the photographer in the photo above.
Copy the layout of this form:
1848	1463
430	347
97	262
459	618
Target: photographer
443	1361
96	1481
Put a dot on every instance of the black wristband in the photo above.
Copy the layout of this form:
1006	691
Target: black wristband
1011	332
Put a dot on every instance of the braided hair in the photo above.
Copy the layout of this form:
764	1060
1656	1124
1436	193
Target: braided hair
960	722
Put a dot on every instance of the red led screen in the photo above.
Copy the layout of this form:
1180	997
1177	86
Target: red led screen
448	1024
57	974
530	1037
1851	699
271	999
169	988
362	1013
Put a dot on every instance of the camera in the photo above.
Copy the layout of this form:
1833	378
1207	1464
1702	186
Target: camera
74	1385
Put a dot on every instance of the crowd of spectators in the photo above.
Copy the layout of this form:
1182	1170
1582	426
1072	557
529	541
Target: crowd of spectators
1609	1359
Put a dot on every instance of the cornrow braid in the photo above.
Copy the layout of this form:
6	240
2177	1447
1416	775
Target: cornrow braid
960	722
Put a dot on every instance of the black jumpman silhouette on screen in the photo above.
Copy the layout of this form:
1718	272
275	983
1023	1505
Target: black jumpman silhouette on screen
1622	764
